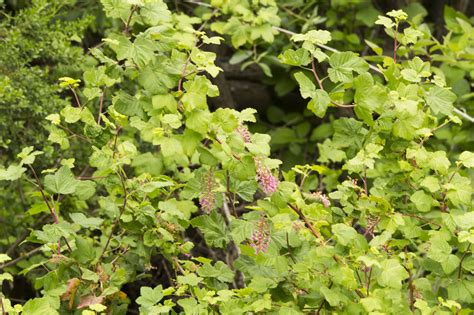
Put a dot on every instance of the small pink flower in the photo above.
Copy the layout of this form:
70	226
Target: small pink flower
261	236
244	133
265	177
323	198
207	199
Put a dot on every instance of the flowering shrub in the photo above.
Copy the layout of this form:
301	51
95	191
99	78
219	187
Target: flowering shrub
186	206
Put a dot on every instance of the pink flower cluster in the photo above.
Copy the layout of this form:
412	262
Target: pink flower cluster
207	199
261	236
323	198
265	177
244	133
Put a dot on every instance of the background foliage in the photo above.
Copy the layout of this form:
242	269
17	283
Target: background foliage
235	157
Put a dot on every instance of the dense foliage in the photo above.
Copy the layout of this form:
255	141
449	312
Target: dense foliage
147	196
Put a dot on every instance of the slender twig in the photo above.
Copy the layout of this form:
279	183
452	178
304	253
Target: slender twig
364	180
395	44
183	72
358	276
41	189
411	289
462	260
117	219
315	74
118	257
320	83
90	177
420	218
114	150
368	280
74	134
289	249
168	274
464	115
296	15
21	257
188	60
318	311
24	235
101	105
78	101
433	131
229	193
199	3
239	282
126	29
306	221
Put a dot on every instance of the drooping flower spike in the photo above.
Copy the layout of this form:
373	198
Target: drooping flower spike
267	181
207	199
244	133
260	239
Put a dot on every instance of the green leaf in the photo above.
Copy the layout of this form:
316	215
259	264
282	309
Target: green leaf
199	121
71	114
85	222
377	49
220	271
41	306
213	227
190	279
89	275
440	100
410	75
313	36
385	21
344	234
368	94
164	101
239	56
149	296
422	201
343	64
13	172
85	189
241	230
320	102
299	57
173	120
155	12
127	104
226	119
333	297
307	87
28	156
196	93
459	190
262	284
4	258
116	8
141	51
440	251
5	277
392	274
467	159
328	152
51	233
62	182
431	183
